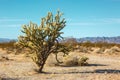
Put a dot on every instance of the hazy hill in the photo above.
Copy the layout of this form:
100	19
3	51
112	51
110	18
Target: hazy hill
100	39
4	40
91	39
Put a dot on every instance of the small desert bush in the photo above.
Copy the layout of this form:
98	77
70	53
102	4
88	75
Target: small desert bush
99	50
83	61
115	48
112	50
75	60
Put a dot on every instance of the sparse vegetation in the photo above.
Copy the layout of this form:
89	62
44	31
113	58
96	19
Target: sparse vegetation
86	47
20	65
5	45
8	46
98	44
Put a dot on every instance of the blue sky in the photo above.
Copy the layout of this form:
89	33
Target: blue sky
85	18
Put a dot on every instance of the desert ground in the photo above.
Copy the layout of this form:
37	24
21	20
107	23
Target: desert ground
20	67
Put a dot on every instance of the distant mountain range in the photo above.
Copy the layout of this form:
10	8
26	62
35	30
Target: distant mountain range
4	40
100	39
91	39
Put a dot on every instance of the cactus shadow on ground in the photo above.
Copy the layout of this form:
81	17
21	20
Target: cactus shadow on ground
98	71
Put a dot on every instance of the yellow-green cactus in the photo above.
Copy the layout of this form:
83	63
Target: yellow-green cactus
44	39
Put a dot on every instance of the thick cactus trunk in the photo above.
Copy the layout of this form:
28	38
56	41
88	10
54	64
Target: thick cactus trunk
43	63
41	67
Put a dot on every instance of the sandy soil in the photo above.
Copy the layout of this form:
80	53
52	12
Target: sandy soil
101	67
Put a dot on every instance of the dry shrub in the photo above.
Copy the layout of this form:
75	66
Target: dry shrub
107	51
75	60
99	50
70	61
116	49
112	50
83	49
83	61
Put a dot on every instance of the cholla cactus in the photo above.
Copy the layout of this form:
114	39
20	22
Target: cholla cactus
44	39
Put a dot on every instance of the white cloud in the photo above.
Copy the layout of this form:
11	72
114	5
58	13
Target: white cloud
111	20
11	22
81	24
11	19
95	21
13	25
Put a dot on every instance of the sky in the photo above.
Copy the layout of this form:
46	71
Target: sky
85	18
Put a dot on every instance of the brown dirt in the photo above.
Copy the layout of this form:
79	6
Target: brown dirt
101	67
